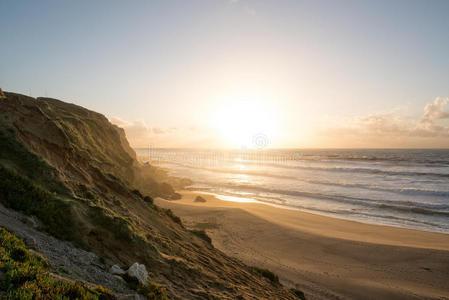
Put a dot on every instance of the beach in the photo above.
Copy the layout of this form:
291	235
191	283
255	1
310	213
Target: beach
327	258
405	188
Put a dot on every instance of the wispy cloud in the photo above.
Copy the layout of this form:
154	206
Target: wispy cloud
388	127
140	134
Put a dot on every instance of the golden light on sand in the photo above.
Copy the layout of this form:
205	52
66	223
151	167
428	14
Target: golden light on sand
245	122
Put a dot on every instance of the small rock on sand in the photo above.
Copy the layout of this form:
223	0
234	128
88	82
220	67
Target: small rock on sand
200	199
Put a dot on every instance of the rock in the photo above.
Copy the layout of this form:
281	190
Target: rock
200	199
119	278
33	221
116	270
30	241
2	95
138	271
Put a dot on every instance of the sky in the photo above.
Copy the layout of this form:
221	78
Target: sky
240	73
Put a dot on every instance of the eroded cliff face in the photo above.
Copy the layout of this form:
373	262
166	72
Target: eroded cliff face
69	159
81	144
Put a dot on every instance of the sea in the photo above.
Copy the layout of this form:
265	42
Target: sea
402	188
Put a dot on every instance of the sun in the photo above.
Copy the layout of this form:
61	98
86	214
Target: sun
244	122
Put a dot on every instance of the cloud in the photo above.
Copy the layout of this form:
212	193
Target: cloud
394	129
435	111
157	130
430	129
137	132
141	135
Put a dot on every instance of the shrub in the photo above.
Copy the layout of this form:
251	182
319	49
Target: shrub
31	165
137	193
148	199
117	225
299	294
174	217
274	279
152	290
202	235
27	276
22	194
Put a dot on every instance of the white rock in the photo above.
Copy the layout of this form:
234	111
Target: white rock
34	221
138	271
116	270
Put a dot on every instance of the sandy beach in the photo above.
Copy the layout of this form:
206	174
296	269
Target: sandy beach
325	257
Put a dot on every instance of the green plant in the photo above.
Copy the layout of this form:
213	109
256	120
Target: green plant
137	193
29	164
172	216
20	193
299	294
27	275
151	290
274	279
115	224
148	199
202	235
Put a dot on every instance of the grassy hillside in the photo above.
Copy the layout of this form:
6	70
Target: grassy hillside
27	276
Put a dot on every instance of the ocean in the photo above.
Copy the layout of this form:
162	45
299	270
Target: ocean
403	188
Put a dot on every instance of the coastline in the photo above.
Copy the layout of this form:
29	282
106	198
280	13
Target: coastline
326	257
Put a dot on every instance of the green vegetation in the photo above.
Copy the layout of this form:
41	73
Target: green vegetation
299	294
274	279
148	199
29	164
20	193
152	290
26	276
137	193
115	224
172	216
202	235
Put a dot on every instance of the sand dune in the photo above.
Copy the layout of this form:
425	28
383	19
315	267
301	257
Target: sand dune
325	257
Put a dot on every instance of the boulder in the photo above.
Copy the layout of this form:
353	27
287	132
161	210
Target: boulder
2	95
139	272
116	270
200	199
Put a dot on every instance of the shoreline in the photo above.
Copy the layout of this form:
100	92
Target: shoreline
326	257
358	231
307	211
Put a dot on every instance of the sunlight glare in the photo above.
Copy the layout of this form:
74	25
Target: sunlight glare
242	119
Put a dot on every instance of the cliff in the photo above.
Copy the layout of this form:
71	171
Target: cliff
75	171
